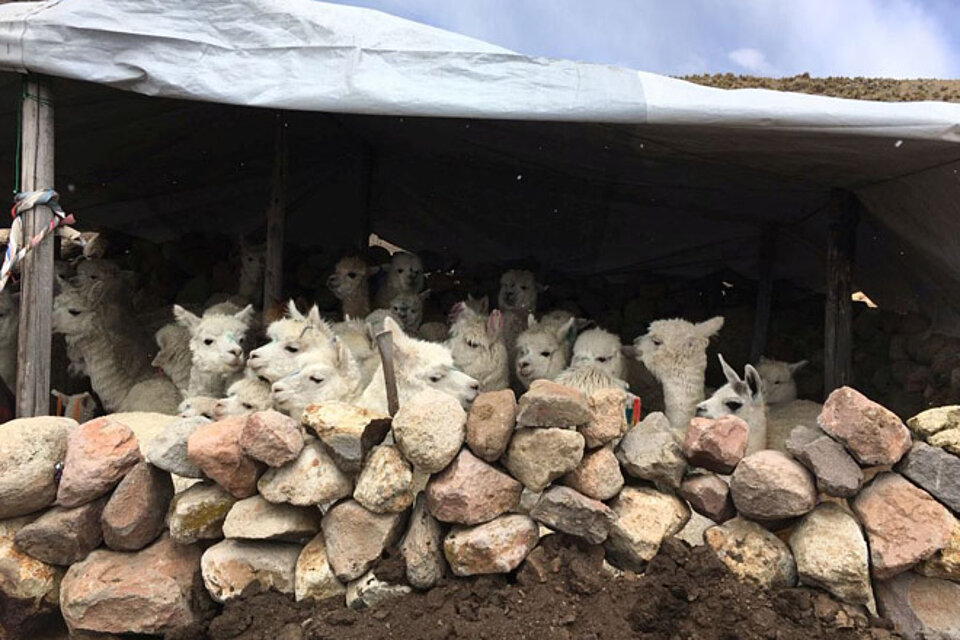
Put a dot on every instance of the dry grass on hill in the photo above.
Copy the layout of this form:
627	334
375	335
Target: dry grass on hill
882	89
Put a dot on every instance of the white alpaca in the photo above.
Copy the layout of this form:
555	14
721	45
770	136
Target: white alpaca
601	349
408	307
476	343
741	397
114	357
404	275
173	354
355	334
418	365
318	378
289	337
517	299
197	406
784	410
350	283
540	351
589	378
675	352
217	343
245	396
9	327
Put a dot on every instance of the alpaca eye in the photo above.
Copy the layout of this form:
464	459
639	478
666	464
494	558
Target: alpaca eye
602	359
247	405
351	275
733	405
436	378
208	341
73	312
472	344
207	416
656	342
399	270
291	349
316	380
545	354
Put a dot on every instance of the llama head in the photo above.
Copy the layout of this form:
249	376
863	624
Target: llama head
600	349
217	340
244	397
420	364
75	313
349	277
518	291
408	308
540	351
676	347
779	384
405	272
319	377
288	338
9	316
741	397
474	337
197	406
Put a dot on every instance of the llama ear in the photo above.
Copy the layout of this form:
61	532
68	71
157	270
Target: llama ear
313	317
185	318
389	324
495	324
245	315
753	381
343	354
292	310
484	304
796	366
564	331
710	327
728	371
531	321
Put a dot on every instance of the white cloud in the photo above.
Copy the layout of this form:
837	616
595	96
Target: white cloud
753	61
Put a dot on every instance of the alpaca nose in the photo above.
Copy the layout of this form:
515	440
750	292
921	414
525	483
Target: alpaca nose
701	411
236	352
475	386
219	409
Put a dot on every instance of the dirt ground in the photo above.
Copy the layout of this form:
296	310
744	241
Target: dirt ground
882	89
561	593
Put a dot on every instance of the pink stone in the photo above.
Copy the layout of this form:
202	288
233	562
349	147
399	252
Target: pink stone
99	454
716	444
215	448
872	433
470	491
271	437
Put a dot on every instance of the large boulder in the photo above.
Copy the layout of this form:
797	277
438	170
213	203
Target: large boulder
872	433
30	448
198	513
230	566
904	524
254	518
314	576
430	429
168	450
215	448
99	454
837	473
934	470
272	438
716	444
548	404
770	485
598	475
498	546
29	588
921	608
385	485
312	479
63	536
148	592
490	423
566	510
650	452
608	420
134	515
752	553
831	553
356	537
347	432
422	548
470	491
644	518
538	456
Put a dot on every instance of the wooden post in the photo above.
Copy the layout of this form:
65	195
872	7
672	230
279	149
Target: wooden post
838	328
385	345
761	319
276	216
36	288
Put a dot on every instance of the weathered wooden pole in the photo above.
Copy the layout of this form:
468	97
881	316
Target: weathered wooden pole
838	327
276	217
36	285
761	319
385	345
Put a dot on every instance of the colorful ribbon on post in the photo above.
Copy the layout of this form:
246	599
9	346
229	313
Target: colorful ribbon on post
17	247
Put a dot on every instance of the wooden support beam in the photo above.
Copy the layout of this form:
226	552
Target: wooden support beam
838	327
36	288
276	218
761	319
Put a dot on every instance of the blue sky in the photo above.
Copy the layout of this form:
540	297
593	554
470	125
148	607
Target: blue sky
891	38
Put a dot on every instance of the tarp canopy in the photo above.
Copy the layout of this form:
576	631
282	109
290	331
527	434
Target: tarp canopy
438	141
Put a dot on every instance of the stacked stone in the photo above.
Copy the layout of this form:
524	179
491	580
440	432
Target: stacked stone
311	508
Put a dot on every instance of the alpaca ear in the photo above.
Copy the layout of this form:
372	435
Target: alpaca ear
710	327
796	366
185	318
531	321
389	324
564	331
343	355
753	381
292	310
495	324
484	304
245	315
731	375
313	317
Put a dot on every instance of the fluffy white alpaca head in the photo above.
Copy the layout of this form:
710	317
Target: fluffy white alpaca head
476	342
318	378
676	347
74	313
540	351
420	364
518	291
9	316
405	272
741	397
408	308
244	397
289	337
600	349
217	340
779	385
350	277
197	406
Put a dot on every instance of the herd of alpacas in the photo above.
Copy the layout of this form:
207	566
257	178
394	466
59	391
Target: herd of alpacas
219	360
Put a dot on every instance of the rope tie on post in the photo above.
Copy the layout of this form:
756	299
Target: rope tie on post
17	245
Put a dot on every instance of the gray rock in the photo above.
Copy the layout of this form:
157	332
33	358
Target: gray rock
356	537
490	423
312	479
254	518
230	566
650	452
921	608
198	513
548	404
134	515
347	432
831	553
644	518
769	485
430	429
168	450
422	548
936	471
837	473
63	536
368	592
566	510
29	450
538	456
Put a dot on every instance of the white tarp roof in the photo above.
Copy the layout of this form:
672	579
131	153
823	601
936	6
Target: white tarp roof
634	150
